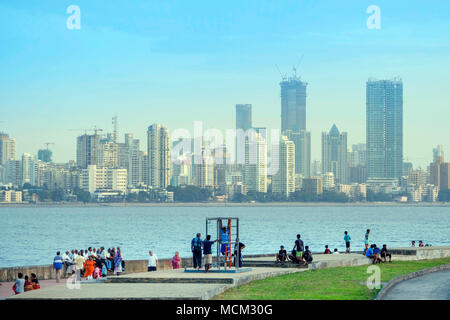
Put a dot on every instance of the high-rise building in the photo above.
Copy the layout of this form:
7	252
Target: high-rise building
104	179
108	153
158	148
334	154
302	142
283	181
28	169
293	104
204	171
13	172
243	116
7	148
255	171
45	155
438	153
312	185
444	176
384	128
244	123
88	150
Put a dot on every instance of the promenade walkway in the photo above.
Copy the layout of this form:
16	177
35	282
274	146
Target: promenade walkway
177	284
432	286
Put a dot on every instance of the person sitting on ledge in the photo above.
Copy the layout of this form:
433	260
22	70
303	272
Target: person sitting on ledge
376	254
293	257
327	251
420	243
384	253
369	252
281	255
307	255
413	243
336	251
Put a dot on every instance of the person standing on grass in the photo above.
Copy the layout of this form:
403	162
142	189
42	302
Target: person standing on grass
152	261
57	265
196	248
347	239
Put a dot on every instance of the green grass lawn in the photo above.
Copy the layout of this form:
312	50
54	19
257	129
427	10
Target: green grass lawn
343	283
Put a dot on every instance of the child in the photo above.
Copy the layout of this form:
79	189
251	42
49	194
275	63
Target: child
28	284
327	251
97	273
104	270
19	285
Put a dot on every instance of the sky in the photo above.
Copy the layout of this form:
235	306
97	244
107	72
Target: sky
175	62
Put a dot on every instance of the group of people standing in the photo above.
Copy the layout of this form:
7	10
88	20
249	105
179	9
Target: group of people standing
90	263
198	245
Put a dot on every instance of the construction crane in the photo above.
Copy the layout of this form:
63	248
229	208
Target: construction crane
283	76
48	143
95	129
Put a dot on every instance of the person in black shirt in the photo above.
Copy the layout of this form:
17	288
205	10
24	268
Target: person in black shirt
307	255
298	247
238	253
281	255
385	253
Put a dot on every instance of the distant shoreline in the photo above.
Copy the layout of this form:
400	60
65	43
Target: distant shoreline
231	204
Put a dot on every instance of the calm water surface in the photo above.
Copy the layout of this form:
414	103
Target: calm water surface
32	235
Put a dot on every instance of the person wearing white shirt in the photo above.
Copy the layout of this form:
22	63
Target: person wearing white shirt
152	261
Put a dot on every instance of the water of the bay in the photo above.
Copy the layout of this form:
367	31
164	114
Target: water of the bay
32	235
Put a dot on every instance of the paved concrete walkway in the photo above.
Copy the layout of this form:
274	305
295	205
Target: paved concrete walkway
432	286
167	284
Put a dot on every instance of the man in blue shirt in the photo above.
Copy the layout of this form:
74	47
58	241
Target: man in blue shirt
207	252
347	242
196	247
57	265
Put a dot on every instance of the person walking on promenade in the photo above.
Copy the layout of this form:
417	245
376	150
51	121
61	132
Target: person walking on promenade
298	247
347	239
207	252
176	261
118	261
57	265
152	261
366	241
196	248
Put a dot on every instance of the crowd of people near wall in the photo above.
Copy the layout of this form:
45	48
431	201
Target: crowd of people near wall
89	263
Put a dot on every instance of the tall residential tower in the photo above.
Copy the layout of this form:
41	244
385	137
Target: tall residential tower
384	128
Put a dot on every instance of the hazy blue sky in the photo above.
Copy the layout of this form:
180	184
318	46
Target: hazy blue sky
174	62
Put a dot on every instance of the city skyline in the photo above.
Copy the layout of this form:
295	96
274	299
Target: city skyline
200	67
